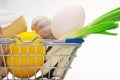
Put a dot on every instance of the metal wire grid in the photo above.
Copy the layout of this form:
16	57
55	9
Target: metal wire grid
7	43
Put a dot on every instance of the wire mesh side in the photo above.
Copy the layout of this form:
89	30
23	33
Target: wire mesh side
27	59
3	70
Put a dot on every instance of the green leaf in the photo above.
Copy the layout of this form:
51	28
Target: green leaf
113	15
108	33
98	29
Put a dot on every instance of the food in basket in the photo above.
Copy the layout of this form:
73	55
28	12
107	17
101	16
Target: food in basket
23	59
3	50
10	24
42	26
68	19
3	72
100	25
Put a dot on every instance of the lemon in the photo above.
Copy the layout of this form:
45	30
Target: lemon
25	60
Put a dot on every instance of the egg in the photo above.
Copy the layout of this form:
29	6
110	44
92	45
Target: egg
68	19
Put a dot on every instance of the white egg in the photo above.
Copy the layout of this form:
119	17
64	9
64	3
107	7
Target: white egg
68	19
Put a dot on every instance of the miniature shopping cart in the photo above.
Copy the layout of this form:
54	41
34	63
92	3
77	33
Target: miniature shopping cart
53	67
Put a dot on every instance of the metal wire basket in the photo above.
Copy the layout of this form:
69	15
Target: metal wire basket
18	59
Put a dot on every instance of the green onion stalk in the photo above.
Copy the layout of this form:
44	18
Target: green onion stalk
100	25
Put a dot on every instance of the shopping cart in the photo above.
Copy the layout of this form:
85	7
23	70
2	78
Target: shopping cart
71	44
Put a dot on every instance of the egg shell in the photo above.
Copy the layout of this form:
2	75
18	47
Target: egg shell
68	19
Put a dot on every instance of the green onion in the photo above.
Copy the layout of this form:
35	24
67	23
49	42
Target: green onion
113	15
98	26
104	20
95	29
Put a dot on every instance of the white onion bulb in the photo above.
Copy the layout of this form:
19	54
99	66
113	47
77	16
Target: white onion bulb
66	20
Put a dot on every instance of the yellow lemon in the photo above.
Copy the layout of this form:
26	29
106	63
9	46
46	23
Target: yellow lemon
23	59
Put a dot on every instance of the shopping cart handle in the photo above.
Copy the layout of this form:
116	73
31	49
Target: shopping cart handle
74	41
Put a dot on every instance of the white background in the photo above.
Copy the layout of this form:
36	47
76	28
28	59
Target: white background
99	56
